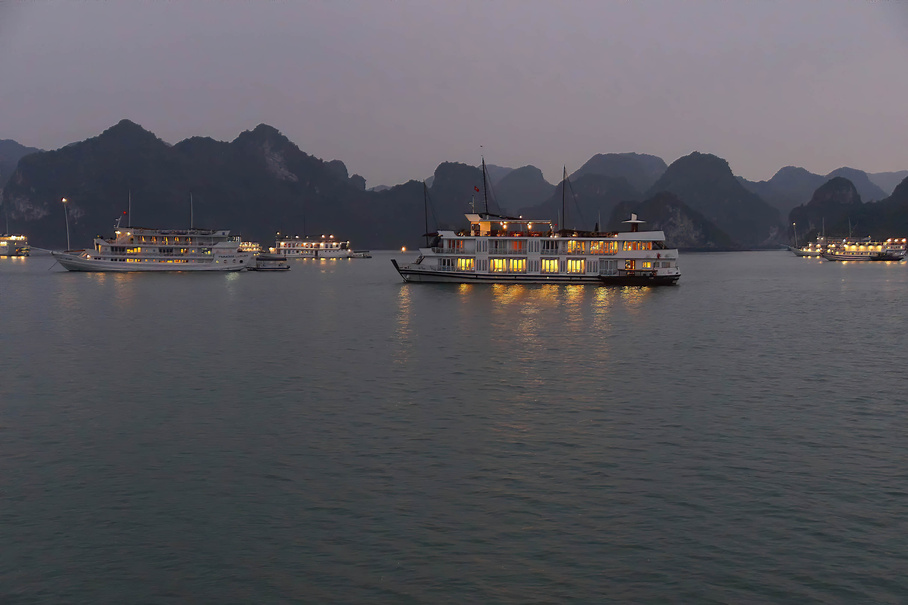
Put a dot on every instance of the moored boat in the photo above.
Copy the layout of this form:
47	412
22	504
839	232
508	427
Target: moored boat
14	245
308	247
865	249
266	261
811	250
141	249
498	249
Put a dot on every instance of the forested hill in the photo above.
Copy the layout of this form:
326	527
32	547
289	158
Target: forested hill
261	183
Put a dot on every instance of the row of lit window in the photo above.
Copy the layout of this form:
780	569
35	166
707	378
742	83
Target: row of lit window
550	247
166	251
310	245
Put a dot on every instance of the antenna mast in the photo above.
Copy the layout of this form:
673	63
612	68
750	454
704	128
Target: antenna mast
563	188
129	215
485	195
191	216
425	209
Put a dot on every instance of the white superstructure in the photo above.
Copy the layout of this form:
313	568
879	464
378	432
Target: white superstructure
499	249
141	249
865	249
324	247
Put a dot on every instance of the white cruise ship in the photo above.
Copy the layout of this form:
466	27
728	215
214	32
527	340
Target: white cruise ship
865	249
140	249
499	249
14	245
324	247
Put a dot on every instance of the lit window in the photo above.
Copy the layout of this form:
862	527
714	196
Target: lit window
498	265
517	265
550	265
576	265
465	264
575	247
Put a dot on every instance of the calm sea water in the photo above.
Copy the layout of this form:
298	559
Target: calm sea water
332	434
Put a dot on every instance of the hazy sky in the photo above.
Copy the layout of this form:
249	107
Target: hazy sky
395	87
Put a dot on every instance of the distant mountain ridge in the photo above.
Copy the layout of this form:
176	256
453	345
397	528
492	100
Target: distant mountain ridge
706	184
888	181
261	183
836	209
640	170
792	186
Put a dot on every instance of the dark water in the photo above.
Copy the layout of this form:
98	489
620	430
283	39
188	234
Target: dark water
332	434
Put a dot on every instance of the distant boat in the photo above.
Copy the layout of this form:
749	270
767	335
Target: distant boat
266	261
14	245
320	247
864	249
813	249
140	249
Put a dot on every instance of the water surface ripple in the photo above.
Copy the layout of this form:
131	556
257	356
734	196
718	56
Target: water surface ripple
335	435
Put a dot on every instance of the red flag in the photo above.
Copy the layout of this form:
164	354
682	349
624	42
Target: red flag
476	188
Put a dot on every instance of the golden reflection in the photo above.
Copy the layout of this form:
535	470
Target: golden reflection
508	294
404	331
602	307
549	292
633	296
573	294
464	289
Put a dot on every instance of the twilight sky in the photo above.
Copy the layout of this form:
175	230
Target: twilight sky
395	87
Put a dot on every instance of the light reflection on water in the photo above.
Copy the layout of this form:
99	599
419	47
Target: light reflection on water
331	433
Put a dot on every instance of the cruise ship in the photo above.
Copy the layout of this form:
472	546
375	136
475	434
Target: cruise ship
812	249
324	247
865	249
13	245
498	249
141	249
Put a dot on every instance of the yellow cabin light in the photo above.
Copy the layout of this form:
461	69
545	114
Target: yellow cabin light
403	248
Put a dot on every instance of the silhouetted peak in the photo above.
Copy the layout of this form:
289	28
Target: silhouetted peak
787	172
525	173
338	169
701	163
450	171
263	133
128	131
837	190
901	191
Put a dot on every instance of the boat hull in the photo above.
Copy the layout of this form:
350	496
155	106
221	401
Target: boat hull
639	280
881	256
75	262
270	262
445	277
806	253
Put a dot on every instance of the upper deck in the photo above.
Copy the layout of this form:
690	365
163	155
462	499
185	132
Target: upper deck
485	225
143	235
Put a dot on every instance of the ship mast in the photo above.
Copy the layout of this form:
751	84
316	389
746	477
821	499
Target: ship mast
425	210
563	187
485	196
